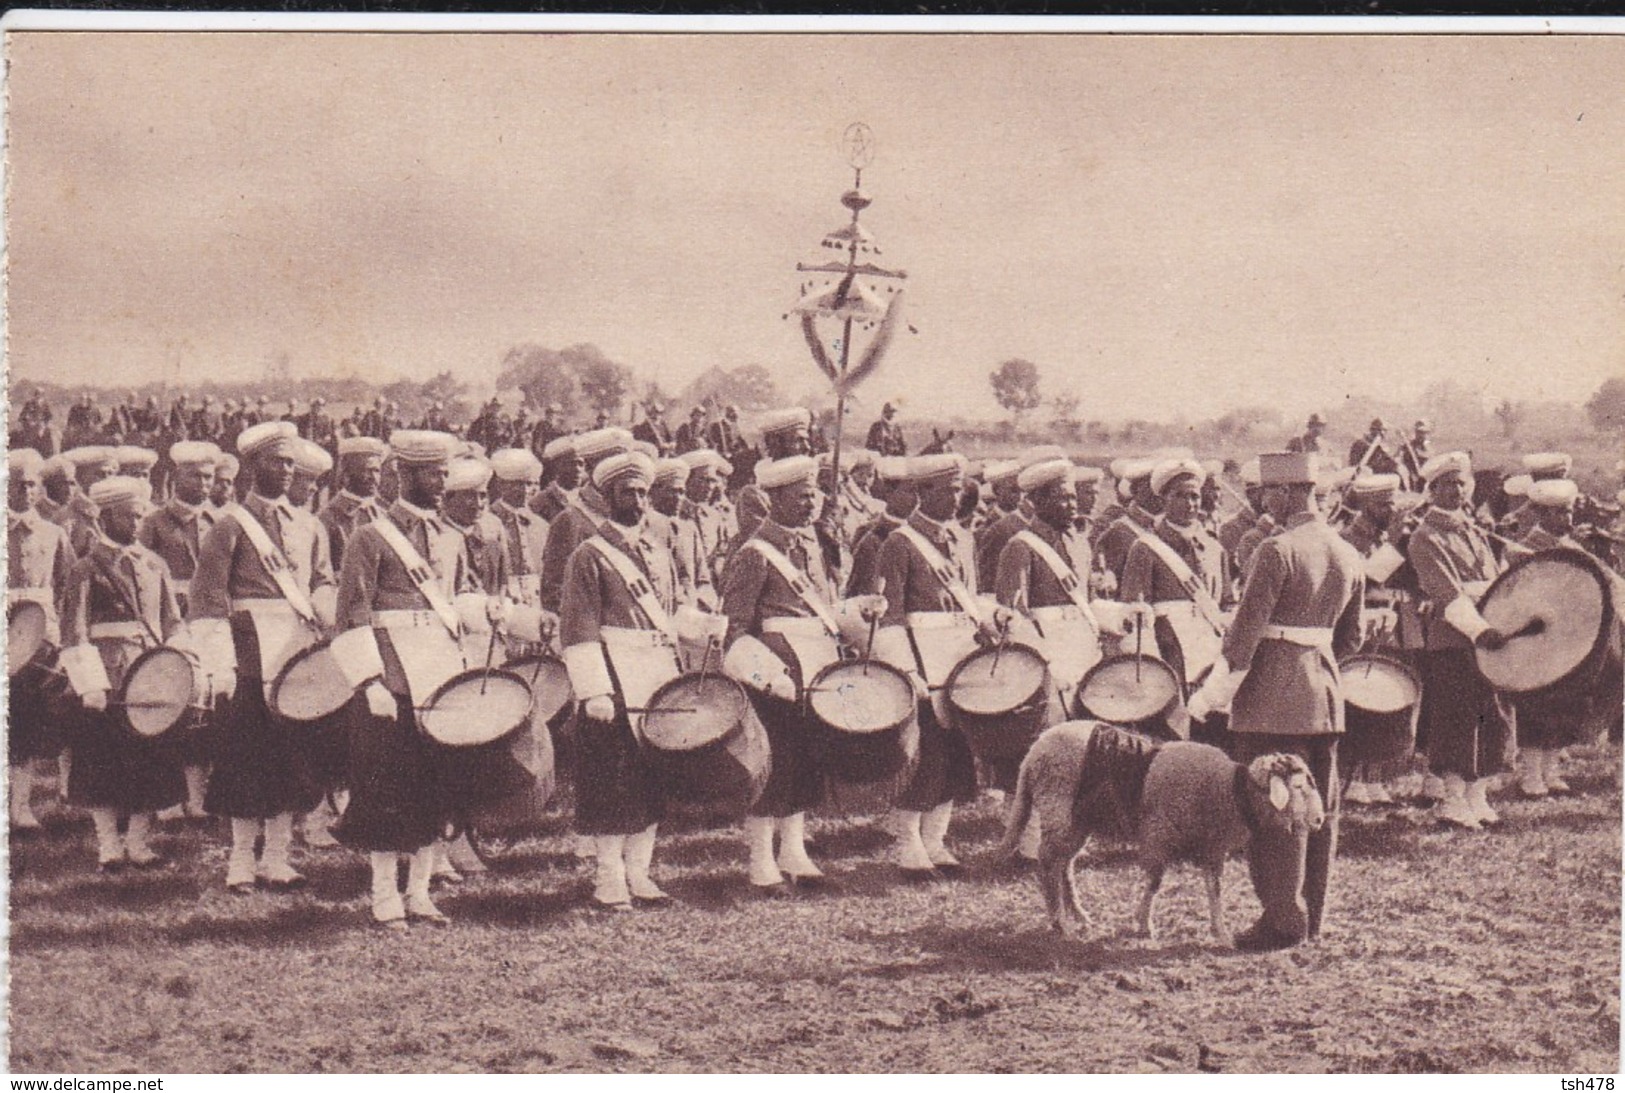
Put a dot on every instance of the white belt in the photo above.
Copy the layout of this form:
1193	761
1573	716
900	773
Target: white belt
406	619
41	596
1319	637
118	631
631	637
940	620
267	604
1163	608
792	626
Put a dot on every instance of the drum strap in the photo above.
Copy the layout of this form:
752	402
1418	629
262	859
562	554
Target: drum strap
636	583
275	562
1063	573
418	570
798	583
1205	603
938	565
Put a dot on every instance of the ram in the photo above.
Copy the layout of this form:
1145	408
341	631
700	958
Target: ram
1181	801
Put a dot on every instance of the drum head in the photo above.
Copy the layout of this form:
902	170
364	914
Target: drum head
549	684
862	697
310	687
990	682
1378	684
1125	689
158	691
1563	594
693	711
476	707
25	634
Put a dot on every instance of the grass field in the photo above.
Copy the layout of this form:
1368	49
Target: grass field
1443	951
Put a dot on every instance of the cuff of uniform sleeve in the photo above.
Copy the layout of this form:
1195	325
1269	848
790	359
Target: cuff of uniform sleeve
752	663
1463	615
356	652
84	668
588	670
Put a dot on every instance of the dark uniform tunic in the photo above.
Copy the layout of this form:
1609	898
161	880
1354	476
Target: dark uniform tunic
1147	577
112	588
342	516
617	792
577	522
946	770
396	800
262	768
1466	725
1114	543
753	592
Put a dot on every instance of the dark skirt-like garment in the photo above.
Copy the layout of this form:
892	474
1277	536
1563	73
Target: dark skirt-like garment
799	744
1467	725
36	713
395	800
114	768
327	744
260	766
946	770
617	793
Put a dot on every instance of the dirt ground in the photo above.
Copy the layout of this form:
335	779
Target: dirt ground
1443	951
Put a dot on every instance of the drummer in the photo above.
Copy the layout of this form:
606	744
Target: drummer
1372	498
1143	509
1278	675
120	603
400	624
562	475
587	510
516	476
56	481
263	590
1466	724
91	464
463	507
892	487
779	593
175	533
929	580
784	433
40	571
224	491
613	632
1037	572
690	575
702	507
1179	570
858	504
361	462
1545	728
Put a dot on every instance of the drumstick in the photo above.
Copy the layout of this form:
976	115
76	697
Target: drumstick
705	661
1139	642
874	625
490	654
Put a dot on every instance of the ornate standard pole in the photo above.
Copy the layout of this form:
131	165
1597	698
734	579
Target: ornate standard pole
850	298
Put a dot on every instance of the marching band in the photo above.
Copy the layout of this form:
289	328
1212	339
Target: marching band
333	638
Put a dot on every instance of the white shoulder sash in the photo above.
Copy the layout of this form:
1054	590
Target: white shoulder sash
275	562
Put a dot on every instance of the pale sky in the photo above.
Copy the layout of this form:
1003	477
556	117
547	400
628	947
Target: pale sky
1163	224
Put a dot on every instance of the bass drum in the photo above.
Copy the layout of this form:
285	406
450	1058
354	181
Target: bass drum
999	698
705	743
1131	692
163	688
869	711
532	747
470	719
1558	609
1382	698
26	628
